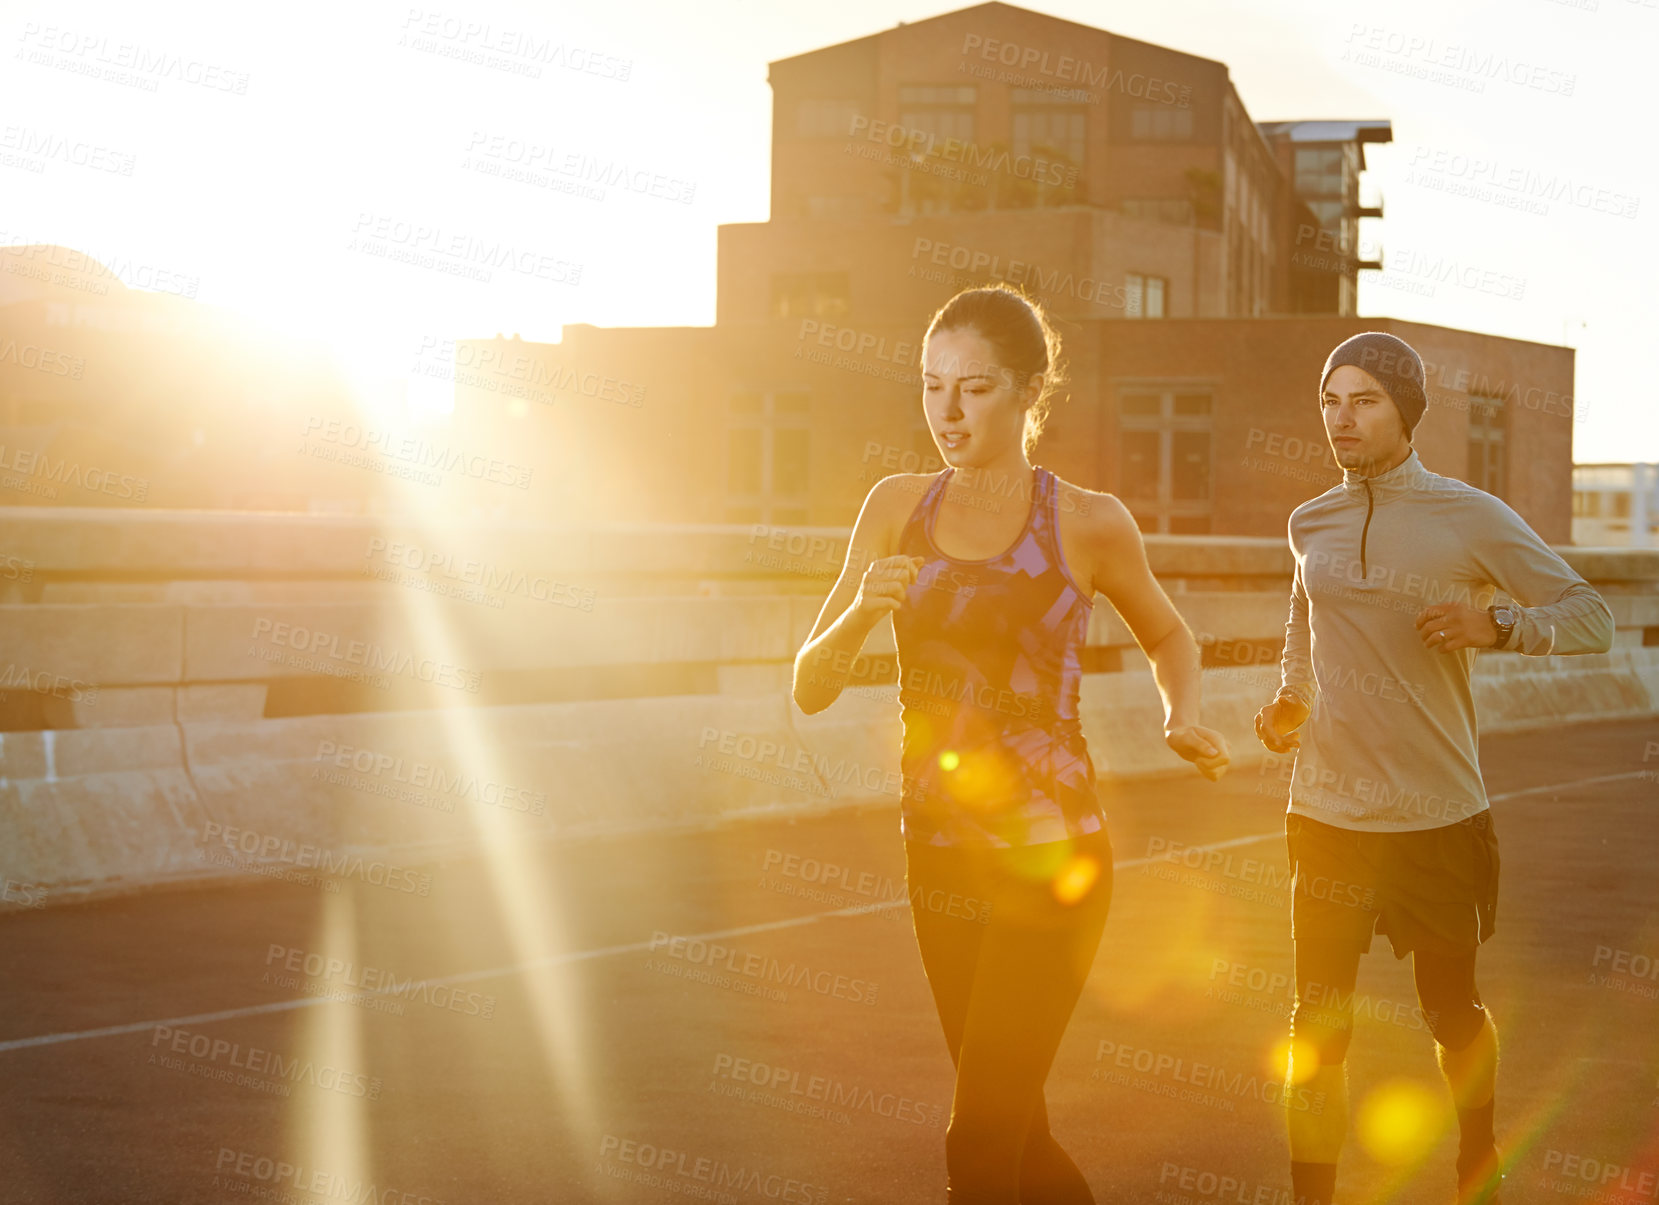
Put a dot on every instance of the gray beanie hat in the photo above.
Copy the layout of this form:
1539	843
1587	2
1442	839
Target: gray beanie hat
1392	361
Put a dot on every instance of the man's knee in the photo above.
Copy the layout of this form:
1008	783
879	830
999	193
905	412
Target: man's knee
1323	1028
1449	999
1457	1024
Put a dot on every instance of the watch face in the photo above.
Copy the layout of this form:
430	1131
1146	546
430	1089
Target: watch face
1506	615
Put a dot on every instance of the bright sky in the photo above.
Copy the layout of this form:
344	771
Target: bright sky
306	126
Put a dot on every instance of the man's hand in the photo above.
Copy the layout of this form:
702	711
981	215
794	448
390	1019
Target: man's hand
1449	626
1203	747
1276	724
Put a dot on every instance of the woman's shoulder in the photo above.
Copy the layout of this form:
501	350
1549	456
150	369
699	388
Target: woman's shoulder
892	501
1099	513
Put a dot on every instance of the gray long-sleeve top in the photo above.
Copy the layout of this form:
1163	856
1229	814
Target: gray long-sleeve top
1390	743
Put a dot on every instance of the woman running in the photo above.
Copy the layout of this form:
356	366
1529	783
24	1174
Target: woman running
1008	865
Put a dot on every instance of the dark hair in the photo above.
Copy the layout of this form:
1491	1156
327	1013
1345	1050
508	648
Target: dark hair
1018	328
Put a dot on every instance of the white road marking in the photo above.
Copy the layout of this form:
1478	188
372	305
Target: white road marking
253	1010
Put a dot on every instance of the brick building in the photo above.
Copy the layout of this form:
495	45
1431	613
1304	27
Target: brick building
1199	265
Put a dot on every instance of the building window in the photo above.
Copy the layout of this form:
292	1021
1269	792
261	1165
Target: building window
1164	460
810	295
1048	135
1160	123
1319	173
767	461
1047	129
944	112
821	118
1143	296
1487	444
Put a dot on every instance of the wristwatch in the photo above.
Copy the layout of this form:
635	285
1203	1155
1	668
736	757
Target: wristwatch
1504	618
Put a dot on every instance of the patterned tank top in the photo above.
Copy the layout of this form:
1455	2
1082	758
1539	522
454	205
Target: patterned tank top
989	671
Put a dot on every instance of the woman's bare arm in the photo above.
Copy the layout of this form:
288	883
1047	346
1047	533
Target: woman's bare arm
1122	574
871	586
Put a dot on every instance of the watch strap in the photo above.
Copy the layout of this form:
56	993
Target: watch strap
1505	634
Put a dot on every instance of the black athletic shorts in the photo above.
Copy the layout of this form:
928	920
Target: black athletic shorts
1434	888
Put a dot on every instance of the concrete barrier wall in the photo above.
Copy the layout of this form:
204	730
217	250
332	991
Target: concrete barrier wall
97	811
170	770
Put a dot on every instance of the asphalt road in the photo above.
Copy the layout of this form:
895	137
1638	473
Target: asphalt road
529	1029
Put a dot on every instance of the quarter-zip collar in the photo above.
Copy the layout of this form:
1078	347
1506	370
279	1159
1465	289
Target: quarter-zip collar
1404	477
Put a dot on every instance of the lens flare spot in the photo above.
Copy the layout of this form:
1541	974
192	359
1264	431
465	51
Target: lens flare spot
1297	1059
983	779
1401	1121
1074	879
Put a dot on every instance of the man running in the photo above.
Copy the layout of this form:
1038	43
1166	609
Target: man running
1389	830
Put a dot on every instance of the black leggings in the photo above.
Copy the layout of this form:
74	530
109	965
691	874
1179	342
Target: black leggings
1007	959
